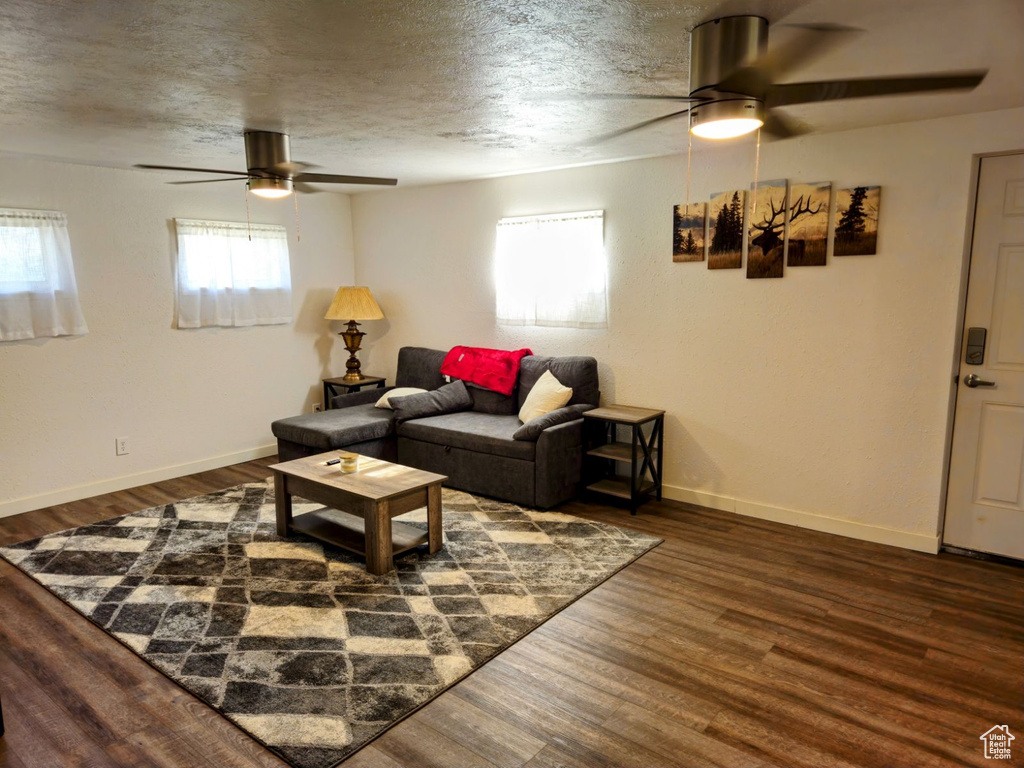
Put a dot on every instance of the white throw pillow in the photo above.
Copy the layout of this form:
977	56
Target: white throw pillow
384	401
547	395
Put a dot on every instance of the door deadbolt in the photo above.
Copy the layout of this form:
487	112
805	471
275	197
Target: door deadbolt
975	346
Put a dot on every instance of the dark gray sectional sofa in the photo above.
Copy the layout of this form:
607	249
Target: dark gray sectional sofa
474	448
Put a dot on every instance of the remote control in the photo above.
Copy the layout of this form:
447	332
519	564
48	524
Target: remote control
333	461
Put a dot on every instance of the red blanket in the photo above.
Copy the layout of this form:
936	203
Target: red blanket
495	369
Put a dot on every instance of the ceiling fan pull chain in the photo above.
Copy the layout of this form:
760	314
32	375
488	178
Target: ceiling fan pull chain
248	219
689	152
757	170
298	229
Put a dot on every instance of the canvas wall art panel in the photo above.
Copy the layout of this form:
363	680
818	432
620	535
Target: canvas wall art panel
688	225
856	232
767	230
807	239
725	229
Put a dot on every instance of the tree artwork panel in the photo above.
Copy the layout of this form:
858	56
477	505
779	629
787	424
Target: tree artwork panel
767	230
725	229
688	231
807	240
856	232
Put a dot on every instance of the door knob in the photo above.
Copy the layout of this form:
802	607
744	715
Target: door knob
972	380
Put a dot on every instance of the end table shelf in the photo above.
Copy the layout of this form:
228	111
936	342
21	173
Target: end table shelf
619	486
643	452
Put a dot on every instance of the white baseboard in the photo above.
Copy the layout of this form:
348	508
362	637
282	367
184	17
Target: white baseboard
915	541
918	542
64	495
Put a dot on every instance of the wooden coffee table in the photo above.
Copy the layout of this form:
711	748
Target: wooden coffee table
362	504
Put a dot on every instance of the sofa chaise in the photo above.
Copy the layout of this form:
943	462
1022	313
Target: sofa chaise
475	448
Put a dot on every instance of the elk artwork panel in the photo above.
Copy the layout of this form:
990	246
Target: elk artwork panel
688	222
725	229
856	232
807	239
767	230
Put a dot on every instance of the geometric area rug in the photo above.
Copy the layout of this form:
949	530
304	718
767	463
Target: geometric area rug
292	640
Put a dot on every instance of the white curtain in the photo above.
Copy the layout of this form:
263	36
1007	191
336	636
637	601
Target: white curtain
551	271
226	279
38	294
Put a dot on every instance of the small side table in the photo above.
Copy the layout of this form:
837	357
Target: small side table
331	387
603	452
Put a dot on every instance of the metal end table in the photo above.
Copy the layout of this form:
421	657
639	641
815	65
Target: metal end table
331	387
603	452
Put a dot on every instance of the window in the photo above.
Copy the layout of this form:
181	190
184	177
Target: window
550	270
38	294
226	279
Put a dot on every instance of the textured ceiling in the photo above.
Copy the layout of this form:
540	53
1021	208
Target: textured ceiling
436	91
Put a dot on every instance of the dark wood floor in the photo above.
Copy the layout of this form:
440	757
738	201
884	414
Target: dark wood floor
737	643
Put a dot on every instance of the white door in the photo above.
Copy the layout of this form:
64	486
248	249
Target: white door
985	499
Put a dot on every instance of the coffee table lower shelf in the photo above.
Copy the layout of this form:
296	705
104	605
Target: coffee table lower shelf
347	531
372	495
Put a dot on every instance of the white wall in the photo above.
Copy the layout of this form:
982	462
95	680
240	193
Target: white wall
819	399
188	399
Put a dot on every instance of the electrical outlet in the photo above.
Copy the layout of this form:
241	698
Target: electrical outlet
121	445
317	407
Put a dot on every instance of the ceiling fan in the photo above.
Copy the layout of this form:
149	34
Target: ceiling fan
270	171
734	86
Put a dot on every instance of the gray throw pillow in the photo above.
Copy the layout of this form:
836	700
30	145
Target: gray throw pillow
447	399
531	430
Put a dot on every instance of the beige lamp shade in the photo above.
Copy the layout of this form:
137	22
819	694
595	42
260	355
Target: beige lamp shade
354	302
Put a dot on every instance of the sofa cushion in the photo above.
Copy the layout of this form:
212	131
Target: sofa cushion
482	432
447	399
547	395
577	372
419	367
531	430
385	399
335	428
348	399
489	401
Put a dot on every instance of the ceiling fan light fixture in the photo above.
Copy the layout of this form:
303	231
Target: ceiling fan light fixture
733	76
270	188
269	170
726	129
726	119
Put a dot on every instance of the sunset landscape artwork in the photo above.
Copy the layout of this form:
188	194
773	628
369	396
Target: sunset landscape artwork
767	230
725	229
856	232
807	241
688	224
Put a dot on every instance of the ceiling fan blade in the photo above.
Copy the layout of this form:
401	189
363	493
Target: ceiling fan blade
779	127
832	90
614	134
210	181
621	97
305	189
190	170
807	45
330	178
286	169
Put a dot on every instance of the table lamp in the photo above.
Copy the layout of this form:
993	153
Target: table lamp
353	303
